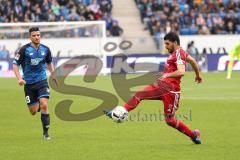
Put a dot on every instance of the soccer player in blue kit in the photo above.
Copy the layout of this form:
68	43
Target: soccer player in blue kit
35	58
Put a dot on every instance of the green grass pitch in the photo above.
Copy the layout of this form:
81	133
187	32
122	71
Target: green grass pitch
213	107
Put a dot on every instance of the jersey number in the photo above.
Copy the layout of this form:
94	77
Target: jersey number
28	99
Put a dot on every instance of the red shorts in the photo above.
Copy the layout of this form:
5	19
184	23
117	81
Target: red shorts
163	91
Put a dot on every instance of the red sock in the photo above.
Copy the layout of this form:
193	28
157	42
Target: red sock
132	103
184	129
173	122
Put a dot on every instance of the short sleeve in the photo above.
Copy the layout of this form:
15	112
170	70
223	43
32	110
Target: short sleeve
19	56
181	57
49	57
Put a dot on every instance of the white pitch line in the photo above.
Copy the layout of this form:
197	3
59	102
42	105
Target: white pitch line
211	98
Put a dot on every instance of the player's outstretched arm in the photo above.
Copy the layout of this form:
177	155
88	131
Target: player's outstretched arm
195	67
17	74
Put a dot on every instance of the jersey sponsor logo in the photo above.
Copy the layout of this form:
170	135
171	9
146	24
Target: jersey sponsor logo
43	53
31	54
36	61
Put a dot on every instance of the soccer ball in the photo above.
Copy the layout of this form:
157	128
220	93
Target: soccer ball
119	114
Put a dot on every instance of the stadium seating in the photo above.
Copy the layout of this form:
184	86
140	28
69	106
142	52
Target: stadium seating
191	17
57	10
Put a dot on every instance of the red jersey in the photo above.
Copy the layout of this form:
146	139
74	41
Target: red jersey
178	57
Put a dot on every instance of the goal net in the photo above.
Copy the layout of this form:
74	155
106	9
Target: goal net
64	38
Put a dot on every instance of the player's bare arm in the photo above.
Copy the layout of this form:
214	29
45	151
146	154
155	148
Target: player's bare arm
51	69
53	75
178	73
195	67
17	74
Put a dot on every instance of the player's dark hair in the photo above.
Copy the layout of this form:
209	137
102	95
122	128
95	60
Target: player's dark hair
172	36
33	29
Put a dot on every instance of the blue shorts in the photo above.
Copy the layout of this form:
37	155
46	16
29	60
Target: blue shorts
35	91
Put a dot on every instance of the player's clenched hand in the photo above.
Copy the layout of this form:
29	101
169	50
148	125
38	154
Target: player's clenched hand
198	79
21	82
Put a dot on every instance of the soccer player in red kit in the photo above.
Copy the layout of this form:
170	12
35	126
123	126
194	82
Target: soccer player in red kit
167	87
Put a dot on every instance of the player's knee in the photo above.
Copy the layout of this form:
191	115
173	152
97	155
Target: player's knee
34	109
33	112
171	121
138	96
43	106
